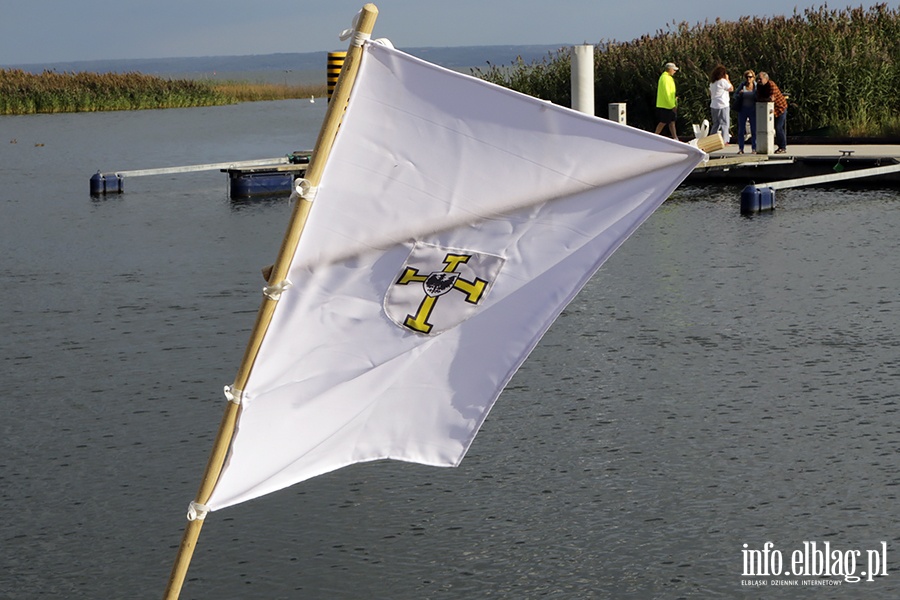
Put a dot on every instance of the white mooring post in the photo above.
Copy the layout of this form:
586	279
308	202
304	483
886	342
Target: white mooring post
583	78
765	128
617	112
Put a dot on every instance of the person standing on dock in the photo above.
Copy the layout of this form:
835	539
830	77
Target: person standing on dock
666	103
746	101
720	89
767	91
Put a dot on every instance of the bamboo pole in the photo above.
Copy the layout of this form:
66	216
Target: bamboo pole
324	143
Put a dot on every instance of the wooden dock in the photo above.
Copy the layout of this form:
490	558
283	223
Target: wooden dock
260	177
817	163
801	161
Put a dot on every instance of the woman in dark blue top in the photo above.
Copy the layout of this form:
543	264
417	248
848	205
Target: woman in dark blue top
746	102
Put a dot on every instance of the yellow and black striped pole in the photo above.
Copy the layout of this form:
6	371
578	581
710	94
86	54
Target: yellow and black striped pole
335	62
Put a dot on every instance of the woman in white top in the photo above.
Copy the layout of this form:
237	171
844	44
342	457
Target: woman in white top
720	89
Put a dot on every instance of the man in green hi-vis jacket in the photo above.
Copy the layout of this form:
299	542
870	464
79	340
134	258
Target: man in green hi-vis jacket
666	105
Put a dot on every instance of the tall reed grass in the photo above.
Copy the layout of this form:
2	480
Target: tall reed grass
840	69
51	92
245	91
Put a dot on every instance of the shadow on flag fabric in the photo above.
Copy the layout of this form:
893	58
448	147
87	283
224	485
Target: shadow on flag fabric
454	221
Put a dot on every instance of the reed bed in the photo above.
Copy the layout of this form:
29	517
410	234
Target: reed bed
52	92
243	91
840	69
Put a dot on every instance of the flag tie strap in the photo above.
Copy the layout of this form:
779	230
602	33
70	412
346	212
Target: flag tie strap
197	511
304	189
358	38
273	292
234	395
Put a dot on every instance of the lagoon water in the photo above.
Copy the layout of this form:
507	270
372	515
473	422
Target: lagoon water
722	381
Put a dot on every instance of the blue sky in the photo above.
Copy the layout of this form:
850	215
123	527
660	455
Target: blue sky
37	31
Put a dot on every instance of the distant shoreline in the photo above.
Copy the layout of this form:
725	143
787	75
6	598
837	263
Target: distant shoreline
90	86
50	92
284	64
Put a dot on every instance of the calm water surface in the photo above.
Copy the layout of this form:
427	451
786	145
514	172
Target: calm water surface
722	381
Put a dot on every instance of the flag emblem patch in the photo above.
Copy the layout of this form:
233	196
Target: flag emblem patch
439	288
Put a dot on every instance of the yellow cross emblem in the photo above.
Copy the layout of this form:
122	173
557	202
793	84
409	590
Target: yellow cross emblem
438	283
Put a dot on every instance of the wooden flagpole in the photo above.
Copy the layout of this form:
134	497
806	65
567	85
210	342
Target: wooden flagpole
333	116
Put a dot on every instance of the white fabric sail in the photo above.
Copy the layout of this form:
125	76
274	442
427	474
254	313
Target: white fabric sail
454	221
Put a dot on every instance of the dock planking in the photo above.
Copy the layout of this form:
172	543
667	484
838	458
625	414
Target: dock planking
802	161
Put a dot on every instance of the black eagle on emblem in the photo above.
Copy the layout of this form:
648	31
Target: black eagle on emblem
439	283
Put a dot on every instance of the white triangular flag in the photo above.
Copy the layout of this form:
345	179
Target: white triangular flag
454	221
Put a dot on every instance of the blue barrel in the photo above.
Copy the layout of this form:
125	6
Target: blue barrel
754	199
106	184
265	183
113	184
96	184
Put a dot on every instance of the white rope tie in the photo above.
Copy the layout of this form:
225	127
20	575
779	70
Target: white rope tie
273	292
358	38
303	188
197	511
234	395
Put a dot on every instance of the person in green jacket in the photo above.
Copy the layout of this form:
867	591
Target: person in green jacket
666	105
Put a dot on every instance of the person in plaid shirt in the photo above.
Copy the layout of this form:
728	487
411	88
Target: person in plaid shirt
767	91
